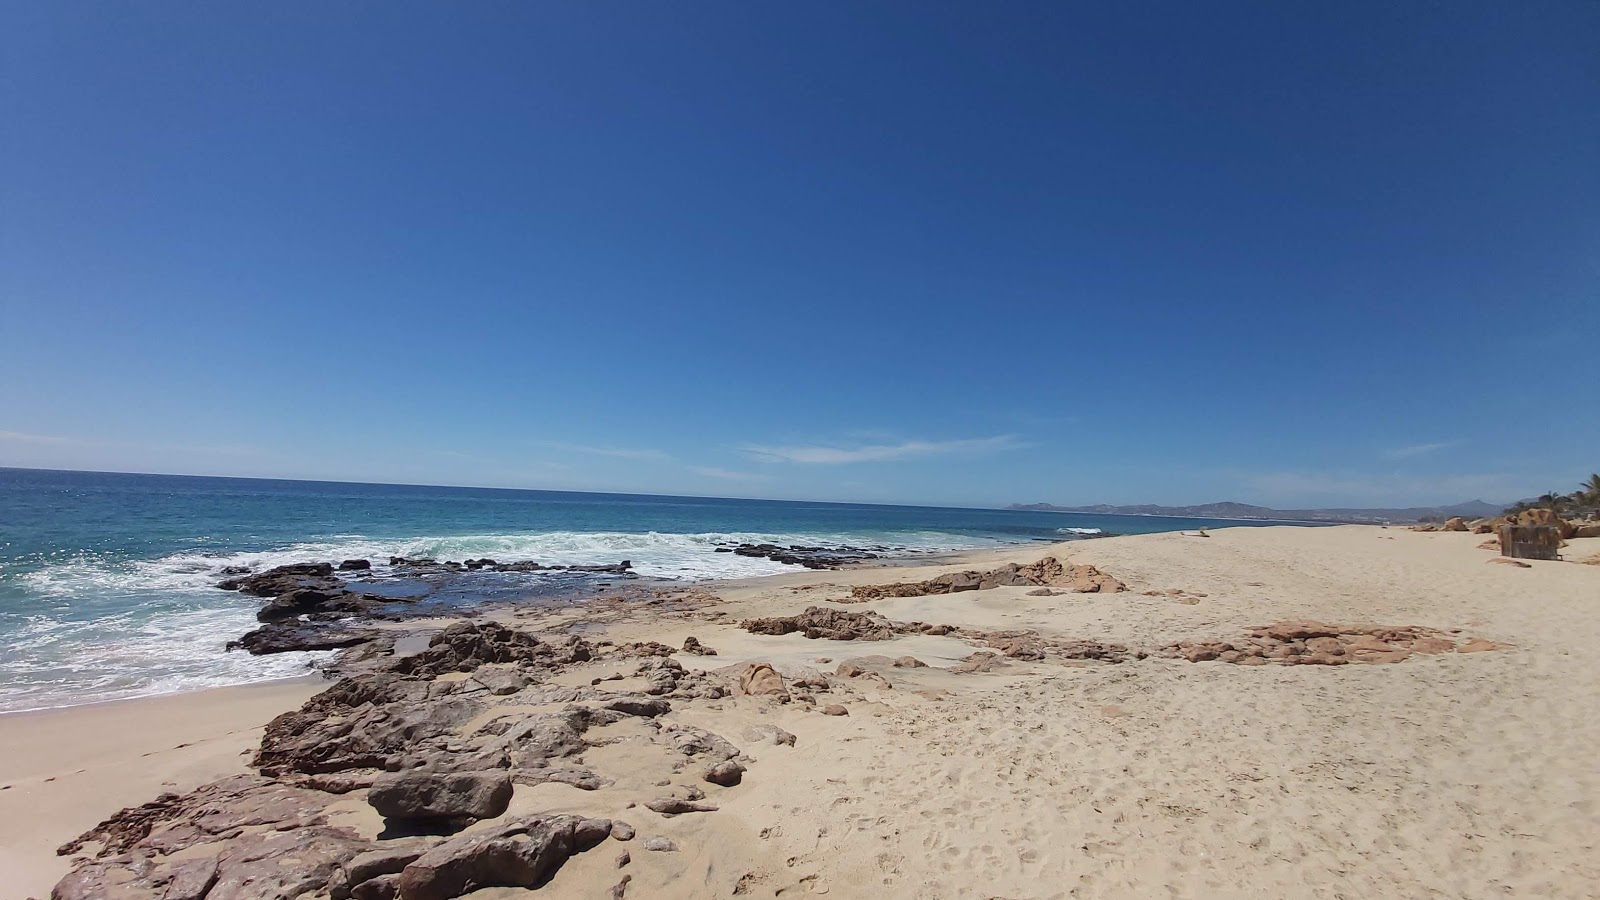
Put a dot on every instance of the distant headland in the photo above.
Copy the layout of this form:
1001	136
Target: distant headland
1471	509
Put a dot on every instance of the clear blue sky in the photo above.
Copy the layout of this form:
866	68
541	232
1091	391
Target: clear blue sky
1288	253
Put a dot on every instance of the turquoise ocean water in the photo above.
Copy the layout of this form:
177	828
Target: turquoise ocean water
107	581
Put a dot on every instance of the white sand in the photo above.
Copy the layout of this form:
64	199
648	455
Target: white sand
1456	775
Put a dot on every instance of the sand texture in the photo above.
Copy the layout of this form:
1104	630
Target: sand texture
1052	742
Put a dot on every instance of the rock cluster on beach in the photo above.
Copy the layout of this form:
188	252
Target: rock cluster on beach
1547	517
1047	572
1320	644
432	742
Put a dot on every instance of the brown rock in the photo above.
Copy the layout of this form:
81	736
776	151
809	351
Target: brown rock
1455	523
674	806
726	773
980	662
430	795
834	709
519	854
691	644
909	662
762	680
820	622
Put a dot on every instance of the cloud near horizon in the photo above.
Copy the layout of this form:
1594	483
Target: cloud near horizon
820	454
1414	450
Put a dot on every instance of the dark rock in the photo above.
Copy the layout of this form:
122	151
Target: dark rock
520	854
308	600
283	579
464	646
809	557
639	706
235	570
286	637
430	795
355	565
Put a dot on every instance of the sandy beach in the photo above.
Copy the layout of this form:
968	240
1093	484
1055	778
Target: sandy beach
1446	774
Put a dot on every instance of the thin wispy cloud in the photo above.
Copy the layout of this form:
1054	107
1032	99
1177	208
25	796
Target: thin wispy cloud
1414	450
824	454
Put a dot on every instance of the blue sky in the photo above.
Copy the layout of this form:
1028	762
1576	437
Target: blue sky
1296	254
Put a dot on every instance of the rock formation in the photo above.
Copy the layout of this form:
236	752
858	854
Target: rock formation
1047	572
1320	644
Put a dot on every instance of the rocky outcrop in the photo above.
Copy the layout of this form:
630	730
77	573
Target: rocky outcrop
1047	572
287	637
1455	523
822	622
1547	517
282	579
441	795
809	557
1321	644
464	646
520	854
431	754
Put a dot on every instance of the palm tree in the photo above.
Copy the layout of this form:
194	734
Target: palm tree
1590	489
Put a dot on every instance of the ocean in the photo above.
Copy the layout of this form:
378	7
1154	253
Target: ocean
108	581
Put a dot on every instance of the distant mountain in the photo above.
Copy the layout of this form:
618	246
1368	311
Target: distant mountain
1472	509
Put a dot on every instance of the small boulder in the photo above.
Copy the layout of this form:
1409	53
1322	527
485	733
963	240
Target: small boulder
834	709
762	680
432	795
726	773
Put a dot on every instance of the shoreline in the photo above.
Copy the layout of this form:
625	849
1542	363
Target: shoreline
1240	753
